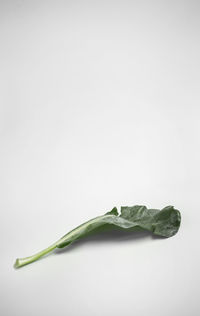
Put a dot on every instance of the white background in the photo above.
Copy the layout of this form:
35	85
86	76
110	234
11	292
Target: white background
99	106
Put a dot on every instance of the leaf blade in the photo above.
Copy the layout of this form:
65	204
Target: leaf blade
164	222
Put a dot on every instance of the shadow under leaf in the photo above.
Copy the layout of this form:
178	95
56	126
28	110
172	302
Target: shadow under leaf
109	235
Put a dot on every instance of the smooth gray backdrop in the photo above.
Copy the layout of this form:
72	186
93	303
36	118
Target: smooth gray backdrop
99	106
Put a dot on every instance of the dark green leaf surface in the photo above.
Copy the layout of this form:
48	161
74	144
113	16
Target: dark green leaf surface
164	222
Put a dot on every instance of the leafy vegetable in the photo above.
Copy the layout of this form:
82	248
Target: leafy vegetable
164	222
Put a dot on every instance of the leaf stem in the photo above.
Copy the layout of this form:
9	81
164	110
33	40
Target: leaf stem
62	242
20	262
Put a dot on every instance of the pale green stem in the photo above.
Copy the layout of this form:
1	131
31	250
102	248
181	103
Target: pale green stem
20	262
71	236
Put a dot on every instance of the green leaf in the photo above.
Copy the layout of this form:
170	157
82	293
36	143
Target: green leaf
164	222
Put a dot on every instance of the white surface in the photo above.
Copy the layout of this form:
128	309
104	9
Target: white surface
99	106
